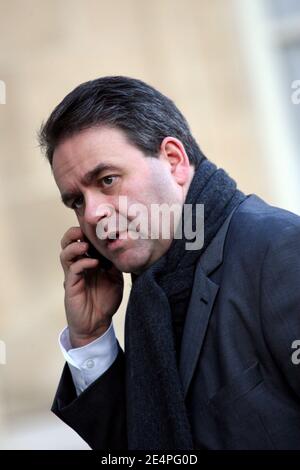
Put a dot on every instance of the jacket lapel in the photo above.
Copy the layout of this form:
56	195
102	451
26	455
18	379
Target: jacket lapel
202	300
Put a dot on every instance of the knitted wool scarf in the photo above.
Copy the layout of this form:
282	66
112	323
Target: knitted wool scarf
156	412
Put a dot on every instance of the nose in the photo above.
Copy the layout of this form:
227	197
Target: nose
96	209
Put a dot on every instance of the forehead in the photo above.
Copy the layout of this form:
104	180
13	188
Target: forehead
79	153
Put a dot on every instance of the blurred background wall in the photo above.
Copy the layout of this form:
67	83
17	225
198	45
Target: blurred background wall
228	64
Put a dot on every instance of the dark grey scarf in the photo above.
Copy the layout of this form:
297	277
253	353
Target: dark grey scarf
156	413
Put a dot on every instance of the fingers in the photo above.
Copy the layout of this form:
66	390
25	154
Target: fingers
76	271
69	254
72	256
71	235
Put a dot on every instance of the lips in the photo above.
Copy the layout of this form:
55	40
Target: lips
112	236
113	240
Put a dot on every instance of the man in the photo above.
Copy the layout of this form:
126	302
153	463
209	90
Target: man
209	331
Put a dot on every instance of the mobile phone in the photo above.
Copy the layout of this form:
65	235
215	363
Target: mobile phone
93	253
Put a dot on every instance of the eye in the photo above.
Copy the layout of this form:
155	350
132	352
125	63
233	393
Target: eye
77	203
107	181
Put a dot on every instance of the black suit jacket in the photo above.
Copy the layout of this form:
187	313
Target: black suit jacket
242	390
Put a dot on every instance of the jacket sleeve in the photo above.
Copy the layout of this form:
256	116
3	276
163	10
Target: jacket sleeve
98	414
280	300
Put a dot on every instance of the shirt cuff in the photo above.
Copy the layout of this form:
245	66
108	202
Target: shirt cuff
89	362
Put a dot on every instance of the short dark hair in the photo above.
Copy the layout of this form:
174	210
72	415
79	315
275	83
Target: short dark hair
144	114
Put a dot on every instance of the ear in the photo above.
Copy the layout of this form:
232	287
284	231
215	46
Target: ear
173	153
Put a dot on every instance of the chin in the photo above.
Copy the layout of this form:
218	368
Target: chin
132	262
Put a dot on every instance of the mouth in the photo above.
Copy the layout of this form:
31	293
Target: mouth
115	240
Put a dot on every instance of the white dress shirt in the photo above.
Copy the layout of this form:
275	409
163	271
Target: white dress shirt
89	362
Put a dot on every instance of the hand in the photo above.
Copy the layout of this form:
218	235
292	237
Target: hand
92	296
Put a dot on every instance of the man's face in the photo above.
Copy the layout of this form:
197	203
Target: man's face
123	170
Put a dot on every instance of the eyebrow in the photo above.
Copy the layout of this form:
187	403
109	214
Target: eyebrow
87	179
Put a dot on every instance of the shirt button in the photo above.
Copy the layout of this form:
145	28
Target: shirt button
90	363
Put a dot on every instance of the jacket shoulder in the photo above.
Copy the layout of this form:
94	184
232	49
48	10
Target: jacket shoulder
257	222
